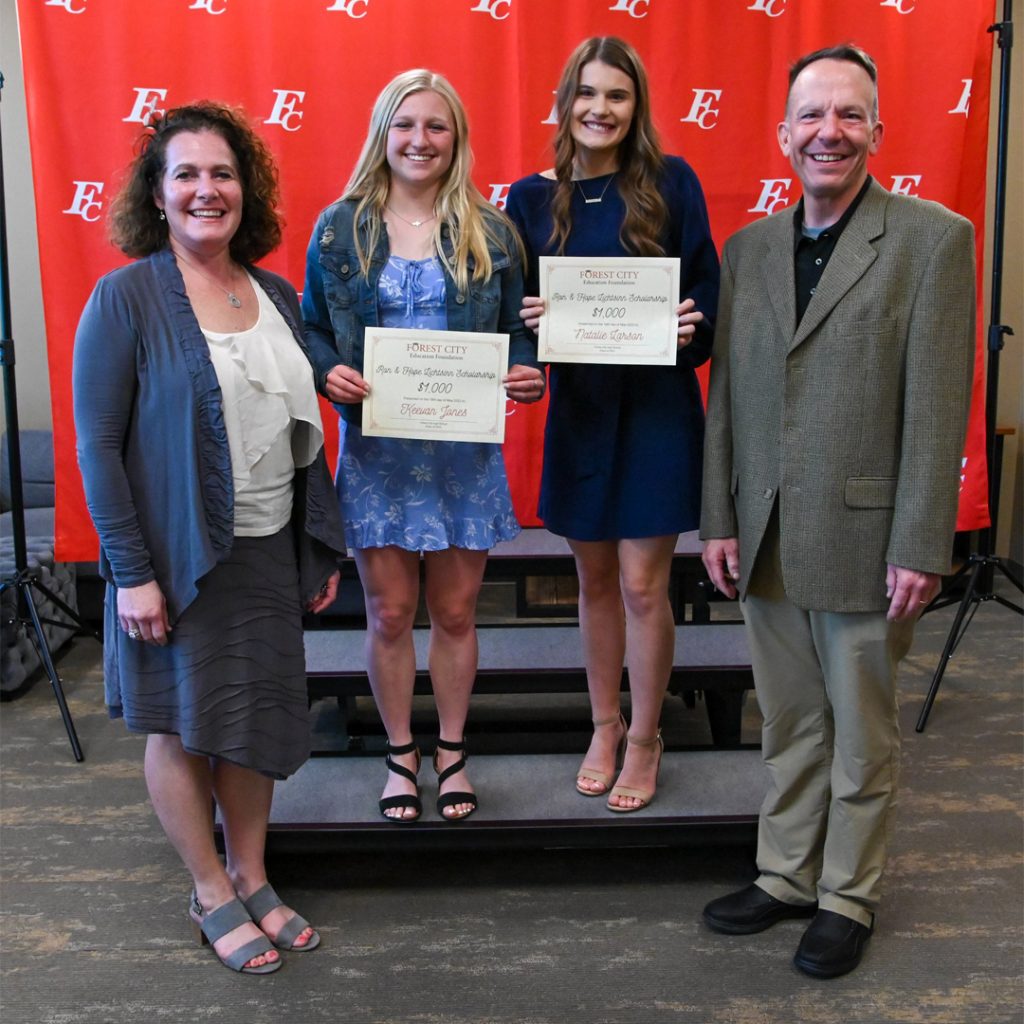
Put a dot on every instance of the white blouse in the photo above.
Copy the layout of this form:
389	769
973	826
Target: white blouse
271	415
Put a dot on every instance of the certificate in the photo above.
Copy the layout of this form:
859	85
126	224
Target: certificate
609	310
434	385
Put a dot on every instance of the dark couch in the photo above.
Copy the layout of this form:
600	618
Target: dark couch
19	659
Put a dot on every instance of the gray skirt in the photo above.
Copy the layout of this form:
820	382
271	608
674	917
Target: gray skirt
232	680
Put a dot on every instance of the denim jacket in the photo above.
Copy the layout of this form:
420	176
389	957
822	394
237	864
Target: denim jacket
338	302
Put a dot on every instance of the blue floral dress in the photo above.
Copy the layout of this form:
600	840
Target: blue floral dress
420	495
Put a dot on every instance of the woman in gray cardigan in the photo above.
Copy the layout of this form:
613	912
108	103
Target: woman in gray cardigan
200	446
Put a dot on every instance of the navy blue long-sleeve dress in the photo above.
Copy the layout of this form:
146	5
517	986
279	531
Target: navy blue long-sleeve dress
623	444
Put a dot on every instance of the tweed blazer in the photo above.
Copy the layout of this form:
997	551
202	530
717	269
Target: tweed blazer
852	420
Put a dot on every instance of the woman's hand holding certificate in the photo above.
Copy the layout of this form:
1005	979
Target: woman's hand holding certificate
609	310
434	385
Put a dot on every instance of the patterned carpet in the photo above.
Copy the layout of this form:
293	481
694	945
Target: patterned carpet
93	899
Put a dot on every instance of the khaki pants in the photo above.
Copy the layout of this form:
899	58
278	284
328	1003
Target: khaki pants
826	685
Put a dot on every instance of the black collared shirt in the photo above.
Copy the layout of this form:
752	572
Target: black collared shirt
811	255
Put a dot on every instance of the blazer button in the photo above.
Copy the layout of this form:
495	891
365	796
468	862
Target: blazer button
460	298
344	268
768	492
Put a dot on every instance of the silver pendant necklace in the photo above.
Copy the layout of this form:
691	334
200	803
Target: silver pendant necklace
233	299
412	223
595	199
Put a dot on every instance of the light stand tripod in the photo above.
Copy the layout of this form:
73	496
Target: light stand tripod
24	581
981	567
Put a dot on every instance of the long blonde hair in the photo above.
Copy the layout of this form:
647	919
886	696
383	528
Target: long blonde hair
640	156
469	218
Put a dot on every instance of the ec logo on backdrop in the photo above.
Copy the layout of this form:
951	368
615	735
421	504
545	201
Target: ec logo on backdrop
773	194
68	5
208	6
499	10
499	194
634	8
85	203
773	8
286	112
145	106
901	6
353	8
703	113
964	104
904	184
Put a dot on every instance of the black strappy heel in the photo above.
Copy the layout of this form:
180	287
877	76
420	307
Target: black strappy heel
403	800
451	799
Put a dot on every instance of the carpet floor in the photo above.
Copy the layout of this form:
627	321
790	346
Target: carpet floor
93	899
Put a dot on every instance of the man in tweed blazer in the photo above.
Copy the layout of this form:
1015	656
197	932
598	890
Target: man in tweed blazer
840	385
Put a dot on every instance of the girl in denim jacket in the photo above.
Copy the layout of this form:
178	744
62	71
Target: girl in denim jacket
413	244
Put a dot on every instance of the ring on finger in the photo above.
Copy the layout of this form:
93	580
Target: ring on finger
134	634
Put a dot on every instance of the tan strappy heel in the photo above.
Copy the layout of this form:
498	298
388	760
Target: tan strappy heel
595	774
644	797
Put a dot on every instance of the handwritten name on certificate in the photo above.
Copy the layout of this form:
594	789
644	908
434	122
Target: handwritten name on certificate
435	385
612	310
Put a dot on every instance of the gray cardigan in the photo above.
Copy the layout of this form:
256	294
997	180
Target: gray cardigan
152	445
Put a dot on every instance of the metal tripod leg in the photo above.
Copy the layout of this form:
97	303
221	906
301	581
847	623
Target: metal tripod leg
951	642
943	598
25	593
63	606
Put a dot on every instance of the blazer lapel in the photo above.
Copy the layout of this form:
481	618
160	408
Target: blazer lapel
853	254
778	274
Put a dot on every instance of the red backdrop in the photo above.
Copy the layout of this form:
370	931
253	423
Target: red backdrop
307	72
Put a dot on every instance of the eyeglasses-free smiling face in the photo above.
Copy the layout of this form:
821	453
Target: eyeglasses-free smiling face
421	141
830	130
602	111
200	192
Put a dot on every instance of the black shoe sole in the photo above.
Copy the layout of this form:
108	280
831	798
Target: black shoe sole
752	928
831	971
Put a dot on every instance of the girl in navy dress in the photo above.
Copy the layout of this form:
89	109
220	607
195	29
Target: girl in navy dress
622	445
413	244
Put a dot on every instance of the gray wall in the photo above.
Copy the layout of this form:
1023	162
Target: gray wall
29	334
1010	410
27	327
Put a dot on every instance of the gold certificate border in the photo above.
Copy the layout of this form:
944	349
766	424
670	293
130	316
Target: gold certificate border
664	355
377	424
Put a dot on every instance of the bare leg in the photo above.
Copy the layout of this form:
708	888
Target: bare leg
645	566
391	582
244	798
181	789
453	584
603	632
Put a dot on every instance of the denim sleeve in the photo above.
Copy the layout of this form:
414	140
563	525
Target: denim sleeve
104	385
316	317
522	345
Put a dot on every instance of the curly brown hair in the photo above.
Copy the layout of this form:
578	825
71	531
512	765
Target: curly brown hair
135	224
641	160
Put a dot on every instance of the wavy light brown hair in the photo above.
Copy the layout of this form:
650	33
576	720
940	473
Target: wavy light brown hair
135	225
460	207
640	156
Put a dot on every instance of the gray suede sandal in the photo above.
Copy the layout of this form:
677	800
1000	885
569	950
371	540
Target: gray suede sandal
262	902
209	927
